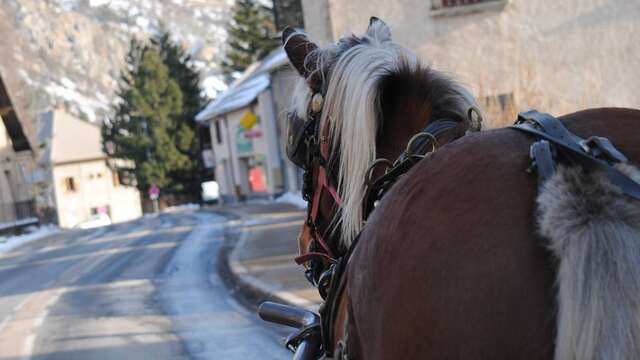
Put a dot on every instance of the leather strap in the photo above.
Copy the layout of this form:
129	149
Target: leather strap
415	151
575	149
541	153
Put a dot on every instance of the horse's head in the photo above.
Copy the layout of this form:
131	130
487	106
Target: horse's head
351	91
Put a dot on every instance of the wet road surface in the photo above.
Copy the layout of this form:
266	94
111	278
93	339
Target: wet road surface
147	289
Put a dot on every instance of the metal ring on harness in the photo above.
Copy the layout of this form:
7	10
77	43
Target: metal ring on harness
373	166
416	137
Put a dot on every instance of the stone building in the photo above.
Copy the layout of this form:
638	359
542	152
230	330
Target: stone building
558	56
248	125
17	206
17	163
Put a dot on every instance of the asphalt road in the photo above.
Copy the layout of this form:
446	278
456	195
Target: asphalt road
141	290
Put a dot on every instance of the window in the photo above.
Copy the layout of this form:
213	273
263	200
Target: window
456	7
218	132
101	210
69	184
116	178
454	3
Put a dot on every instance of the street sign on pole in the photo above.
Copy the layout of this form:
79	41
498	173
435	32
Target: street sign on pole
154	192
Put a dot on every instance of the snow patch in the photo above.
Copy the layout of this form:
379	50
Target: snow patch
68	5
213	85
96	3
9	243
68	83
143	23
292	198
184	207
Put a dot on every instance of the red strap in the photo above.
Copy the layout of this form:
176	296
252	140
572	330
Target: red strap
311	255
322	184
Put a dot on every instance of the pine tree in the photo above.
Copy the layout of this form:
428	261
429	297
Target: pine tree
251	37
145	128
187	77
288	13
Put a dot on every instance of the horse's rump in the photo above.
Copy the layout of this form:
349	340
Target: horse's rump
451	255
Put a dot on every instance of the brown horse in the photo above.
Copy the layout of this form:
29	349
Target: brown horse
456	261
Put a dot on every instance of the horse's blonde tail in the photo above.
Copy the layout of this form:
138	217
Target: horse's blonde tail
594	232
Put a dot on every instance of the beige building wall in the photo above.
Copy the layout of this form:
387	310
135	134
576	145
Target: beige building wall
83	183
232	166
94	187
283	82
558	56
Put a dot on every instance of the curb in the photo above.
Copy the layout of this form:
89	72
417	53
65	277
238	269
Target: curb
249	290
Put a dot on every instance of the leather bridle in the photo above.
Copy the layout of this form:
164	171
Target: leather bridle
308	148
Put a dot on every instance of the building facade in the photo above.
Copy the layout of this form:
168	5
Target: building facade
17	203
558	56
248	126
17	164
82	182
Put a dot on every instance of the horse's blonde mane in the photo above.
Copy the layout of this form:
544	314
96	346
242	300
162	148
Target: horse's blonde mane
352	109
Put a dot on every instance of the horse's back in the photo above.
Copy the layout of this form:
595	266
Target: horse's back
448	264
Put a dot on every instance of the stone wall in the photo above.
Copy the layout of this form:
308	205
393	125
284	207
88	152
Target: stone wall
558	56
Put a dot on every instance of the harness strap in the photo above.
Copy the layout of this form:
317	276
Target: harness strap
577	150
541	154
328	311
415	151
313	255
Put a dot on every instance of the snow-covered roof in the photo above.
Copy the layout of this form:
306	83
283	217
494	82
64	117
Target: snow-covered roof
246	88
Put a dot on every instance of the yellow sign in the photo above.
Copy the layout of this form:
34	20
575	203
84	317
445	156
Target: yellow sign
248	120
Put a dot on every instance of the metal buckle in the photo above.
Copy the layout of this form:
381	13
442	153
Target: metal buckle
294	340
598	146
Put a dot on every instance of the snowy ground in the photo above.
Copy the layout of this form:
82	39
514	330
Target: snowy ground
11	242
292	198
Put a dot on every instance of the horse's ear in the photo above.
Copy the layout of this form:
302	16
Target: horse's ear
297	46
378	29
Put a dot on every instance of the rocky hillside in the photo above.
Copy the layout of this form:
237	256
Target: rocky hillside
68	53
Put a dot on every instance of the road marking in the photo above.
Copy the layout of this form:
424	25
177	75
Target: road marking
19	332
53	299
40	319
27	346
5	322
22	304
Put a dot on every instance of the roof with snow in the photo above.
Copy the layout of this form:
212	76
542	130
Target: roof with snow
246	88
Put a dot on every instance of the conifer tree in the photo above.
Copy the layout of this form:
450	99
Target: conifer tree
288	13
187	77
146	127
251	36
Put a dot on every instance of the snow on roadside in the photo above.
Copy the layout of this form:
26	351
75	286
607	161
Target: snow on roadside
292	198
183	207
9	243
